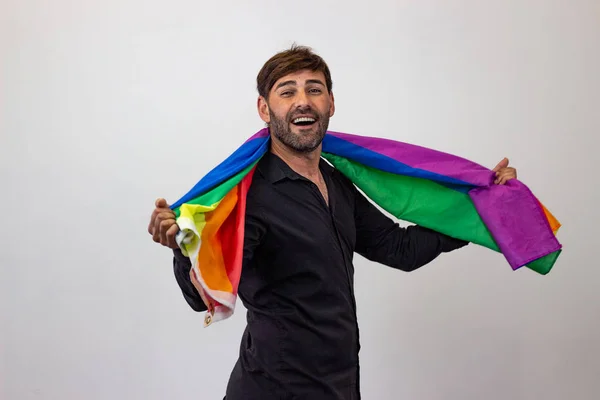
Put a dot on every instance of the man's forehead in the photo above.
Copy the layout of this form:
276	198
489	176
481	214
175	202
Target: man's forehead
301	77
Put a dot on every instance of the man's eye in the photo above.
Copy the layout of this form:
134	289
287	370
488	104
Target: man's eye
315	91
286	93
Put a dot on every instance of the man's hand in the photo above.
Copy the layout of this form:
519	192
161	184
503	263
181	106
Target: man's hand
162	225
504	172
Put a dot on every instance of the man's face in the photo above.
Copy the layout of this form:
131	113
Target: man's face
298	110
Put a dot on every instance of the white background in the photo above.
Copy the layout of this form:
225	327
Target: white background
107	105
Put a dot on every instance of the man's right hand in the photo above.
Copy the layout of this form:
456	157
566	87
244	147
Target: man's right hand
162	225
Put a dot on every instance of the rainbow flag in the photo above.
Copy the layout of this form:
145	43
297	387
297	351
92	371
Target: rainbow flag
430	188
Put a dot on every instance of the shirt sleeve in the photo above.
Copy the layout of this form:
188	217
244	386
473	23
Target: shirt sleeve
254	230
380	239
181	268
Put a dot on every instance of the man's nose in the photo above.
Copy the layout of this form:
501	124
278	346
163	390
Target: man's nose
301	99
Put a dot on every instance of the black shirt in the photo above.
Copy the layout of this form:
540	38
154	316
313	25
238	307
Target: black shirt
302	338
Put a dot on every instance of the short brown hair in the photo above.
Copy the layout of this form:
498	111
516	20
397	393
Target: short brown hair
295	59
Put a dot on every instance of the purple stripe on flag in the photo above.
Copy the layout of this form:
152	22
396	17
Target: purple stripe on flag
424	158
516	222
263	133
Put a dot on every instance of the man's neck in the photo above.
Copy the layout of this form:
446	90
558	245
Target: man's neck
305	164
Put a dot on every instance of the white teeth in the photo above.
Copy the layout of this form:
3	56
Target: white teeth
303	119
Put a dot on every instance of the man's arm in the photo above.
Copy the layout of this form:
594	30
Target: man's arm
380	239
181	268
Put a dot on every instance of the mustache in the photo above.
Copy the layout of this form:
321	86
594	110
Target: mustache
303	113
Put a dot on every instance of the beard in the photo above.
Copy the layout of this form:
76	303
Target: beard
308	139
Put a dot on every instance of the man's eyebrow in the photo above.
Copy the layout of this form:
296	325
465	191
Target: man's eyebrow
291	82
285	83
317	81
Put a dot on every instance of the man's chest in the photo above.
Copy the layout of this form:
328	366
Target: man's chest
307	246
301	219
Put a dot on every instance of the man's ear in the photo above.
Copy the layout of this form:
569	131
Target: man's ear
332	105
263	109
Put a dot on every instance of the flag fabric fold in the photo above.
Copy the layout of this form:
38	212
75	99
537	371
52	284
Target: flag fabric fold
427	187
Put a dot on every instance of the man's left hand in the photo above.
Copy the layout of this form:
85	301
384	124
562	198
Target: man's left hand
504	172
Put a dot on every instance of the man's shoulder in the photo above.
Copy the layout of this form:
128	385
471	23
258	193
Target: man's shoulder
260	188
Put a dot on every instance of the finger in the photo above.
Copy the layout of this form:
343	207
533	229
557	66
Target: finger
151	225
171	232
156	214
152	222
506	175
165	225
501	164
513	173
161	203
156	233
156	230
500	177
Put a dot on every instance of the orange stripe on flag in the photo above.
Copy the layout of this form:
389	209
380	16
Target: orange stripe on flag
210	256
554	224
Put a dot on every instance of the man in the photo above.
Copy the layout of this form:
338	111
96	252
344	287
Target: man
304	222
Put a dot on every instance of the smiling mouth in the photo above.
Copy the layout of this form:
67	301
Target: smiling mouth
304	121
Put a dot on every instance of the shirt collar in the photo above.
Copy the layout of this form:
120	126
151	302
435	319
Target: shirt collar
274	169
